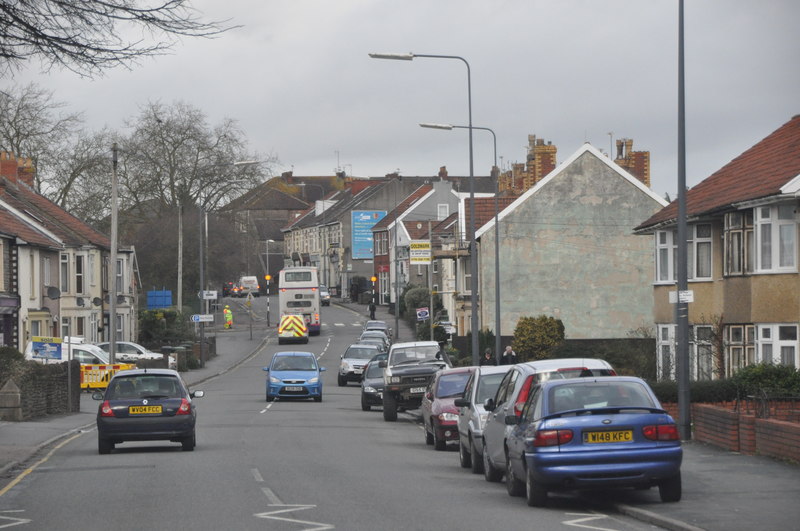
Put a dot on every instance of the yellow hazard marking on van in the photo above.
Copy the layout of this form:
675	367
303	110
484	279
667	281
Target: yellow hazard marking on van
293	324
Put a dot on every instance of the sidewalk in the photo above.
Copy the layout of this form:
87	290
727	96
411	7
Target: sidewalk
721	490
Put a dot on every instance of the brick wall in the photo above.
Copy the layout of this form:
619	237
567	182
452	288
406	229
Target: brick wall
44	388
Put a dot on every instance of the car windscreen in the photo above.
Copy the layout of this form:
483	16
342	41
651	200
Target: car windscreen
374	371
294	363
451	385
359	353
487	386
144	386
598	395
416	353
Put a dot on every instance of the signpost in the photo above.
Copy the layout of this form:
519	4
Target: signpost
203	318
422	314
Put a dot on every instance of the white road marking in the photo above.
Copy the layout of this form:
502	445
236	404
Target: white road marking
266	408
257	475
339	324
587	518
291	508
11	520
271	496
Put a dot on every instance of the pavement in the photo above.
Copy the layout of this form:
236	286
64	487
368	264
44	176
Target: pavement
721	489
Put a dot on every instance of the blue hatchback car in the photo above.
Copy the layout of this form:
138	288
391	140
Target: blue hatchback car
592	433
294	375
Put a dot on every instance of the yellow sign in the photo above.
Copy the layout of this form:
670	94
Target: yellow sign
419	252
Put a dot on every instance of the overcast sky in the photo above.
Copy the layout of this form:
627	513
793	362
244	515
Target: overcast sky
297	78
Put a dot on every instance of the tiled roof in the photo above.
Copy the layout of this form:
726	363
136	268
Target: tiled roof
759	172
71	230
417	230
400	209
12	226
266	197
484	208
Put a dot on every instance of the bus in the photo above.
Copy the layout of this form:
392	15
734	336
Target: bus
298	293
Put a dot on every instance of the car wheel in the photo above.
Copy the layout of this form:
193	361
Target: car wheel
464	457
535	494
104	446
188	444
670	489
428	435
389	407
364	405
270	398
341	381
305	341
514	486
477	460
490	473
280	341
439	444
318	398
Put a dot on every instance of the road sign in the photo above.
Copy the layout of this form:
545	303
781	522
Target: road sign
203	318
420	252
422	314
210	295
686	296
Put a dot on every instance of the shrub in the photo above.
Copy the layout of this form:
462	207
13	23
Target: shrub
534	337
774	379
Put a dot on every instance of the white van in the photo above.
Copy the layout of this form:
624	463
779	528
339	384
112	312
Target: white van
46	351
249	285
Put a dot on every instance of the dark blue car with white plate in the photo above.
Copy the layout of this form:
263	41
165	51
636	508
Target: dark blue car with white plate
294	375
592	433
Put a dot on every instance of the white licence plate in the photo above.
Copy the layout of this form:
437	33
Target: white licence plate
358	371
294	388
416	390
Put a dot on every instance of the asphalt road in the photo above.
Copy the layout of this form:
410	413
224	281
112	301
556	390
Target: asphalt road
283	465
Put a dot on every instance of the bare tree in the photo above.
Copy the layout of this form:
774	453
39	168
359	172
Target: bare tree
173	158
32	124
88	36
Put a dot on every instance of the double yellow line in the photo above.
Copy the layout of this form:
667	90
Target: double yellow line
42	460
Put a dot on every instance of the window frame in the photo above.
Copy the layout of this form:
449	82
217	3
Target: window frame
769	217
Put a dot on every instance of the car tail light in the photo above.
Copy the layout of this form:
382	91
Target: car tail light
105	409
661	432
523	396
185	408
552	437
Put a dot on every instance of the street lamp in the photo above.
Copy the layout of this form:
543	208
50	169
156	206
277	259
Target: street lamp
473	258
497	338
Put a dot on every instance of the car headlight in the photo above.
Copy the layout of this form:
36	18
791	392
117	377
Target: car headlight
272	379
448	416
369	389
314	380
344	366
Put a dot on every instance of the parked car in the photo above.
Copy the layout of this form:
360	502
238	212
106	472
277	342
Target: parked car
375	341
353	361
379	325
410	367
593	433
70	348
482	385
372	386
146	405
376	334
324	295
439	413
133	352
511	397
294	375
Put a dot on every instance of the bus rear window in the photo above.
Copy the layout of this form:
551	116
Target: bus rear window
297	276
298	304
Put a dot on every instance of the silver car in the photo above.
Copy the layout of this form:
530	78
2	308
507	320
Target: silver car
354	359
483	384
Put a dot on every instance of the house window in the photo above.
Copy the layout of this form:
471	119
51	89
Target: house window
65	326
93	327
435	266
80	326
699	250
420	270
36	328
665	360
64	273
79	274
701	352
666	253
776	236
442	211
46	271
90	271
2	265
740	347
119	328
32	280
119	277
739	245
467	276
777	343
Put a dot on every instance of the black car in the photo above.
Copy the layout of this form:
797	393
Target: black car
146	405
372	386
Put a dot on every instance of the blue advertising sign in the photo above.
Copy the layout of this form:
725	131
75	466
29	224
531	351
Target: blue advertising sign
47	347
363	221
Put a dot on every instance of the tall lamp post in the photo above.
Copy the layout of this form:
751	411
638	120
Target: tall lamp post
473	255
497	337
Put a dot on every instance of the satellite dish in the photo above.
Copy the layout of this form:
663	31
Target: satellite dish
53	292
79	302
97	301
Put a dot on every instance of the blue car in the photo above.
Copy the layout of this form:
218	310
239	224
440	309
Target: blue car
592	433
294	375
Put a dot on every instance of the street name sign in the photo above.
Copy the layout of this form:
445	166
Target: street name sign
203	318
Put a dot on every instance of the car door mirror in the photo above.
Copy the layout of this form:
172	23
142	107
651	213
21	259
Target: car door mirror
488	404
461	402
322	369
97	395
197	394
265	369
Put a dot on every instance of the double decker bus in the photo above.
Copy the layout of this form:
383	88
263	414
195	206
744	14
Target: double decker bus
298	293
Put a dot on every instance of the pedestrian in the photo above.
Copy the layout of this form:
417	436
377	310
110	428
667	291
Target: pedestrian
487	358
228	316
372	310
509	357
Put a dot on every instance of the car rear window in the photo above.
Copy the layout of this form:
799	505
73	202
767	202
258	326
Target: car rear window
144	386
451	385
598	395
360	353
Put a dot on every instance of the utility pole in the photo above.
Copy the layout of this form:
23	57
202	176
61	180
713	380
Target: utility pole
112	266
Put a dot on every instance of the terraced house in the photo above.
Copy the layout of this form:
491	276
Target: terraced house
743	256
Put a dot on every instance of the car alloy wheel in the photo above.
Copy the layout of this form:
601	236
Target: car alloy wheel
514	486
464	457
669	490
428	434
341	380
535	494
104	446
364	405
490	473
477	460
389	407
